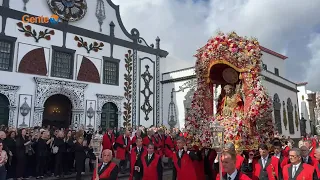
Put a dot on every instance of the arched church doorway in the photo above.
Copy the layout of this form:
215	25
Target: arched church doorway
4	110
57	111
109	116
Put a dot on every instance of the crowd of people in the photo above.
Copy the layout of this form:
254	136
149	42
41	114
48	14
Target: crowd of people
143	153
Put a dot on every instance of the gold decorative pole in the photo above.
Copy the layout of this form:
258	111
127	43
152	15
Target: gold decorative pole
96	144
217	141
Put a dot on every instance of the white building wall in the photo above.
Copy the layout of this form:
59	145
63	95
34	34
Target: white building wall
304	106
25	44
273	62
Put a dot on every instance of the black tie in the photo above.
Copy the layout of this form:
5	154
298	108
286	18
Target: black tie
229	178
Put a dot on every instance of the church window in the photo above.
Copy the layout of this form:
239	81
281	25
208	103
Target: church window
265	67
111	71
290	116
62	63
6	53
276	71
277	112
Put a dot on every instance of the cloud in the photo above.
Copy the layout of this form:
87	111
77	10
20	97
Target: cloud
313	73
185	25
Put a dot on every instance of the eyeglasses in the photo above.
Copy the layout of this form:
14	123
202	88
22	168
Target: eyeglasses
251	154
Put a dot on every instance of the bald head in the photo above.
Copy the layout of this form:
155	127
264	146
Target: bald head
2	135
106	155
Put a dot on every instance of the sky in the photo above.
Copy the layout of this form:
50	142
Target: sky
290	27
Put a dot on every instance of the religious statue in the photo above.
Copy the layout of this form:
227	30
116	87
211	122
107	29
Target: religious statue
231	103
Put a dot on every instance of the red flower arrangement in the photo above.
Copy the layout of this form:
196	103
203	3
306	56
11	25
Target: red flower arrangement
29	32
95	46
243	54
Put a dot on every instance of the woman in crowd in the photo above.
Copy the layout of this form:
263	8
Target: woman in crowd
60	147
80	157
12	161
69	155
21	142
3	161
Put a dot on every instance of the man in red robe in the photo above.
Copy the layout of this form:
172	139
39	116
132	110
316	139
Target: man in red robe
229	147
297	169
208	156
229	165
266	167
137	153
308	143
123	146
283	160
317	156
137	135
152	166
108	140
107	170
183	161
149	138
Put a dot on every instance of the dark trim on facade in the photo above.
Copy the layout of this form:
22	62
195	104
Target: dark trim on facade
280	84
266	78
12	41
178	70
178	79
64	27
64	50
112	60
154	85
281	77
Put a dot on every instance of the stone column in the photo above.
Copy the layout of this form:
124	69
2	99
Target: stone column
119	113
12	113
78	118
37	116
98	120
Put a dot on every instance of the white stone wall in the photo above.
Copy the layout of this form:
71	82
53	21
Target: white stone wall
304	106
25	44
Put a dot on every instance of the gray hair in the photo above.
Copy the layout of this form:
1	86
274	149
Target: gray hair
297	150
230	146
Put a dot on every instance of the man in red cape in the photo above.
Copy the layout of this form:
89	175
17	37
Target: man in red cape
107	170
183	161
229	165
152	166
137	153
317	156
123	146
108	140
266	167
297	169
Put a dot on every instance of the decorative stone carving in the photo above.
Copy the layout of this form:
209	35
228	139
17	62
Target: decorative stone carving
10	92
102	99
69	10
48	87
100	13
127	105
146	92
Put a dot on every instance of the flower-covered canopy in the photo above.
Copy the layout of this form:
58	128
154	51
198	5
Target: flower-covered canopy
231	58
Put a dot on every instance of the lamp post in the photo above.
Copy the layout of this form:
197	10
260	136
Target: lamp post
96	145
217	141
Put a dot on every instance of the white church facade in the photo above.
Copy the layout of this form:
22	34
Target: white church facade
178	87
86	70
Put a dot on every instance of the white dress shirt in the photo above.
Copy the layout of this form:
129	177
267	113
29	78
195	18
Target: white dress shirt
264	161
233	175
295	169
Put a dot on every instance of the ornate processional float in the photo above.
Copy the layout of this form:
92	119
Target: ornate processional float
244	107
